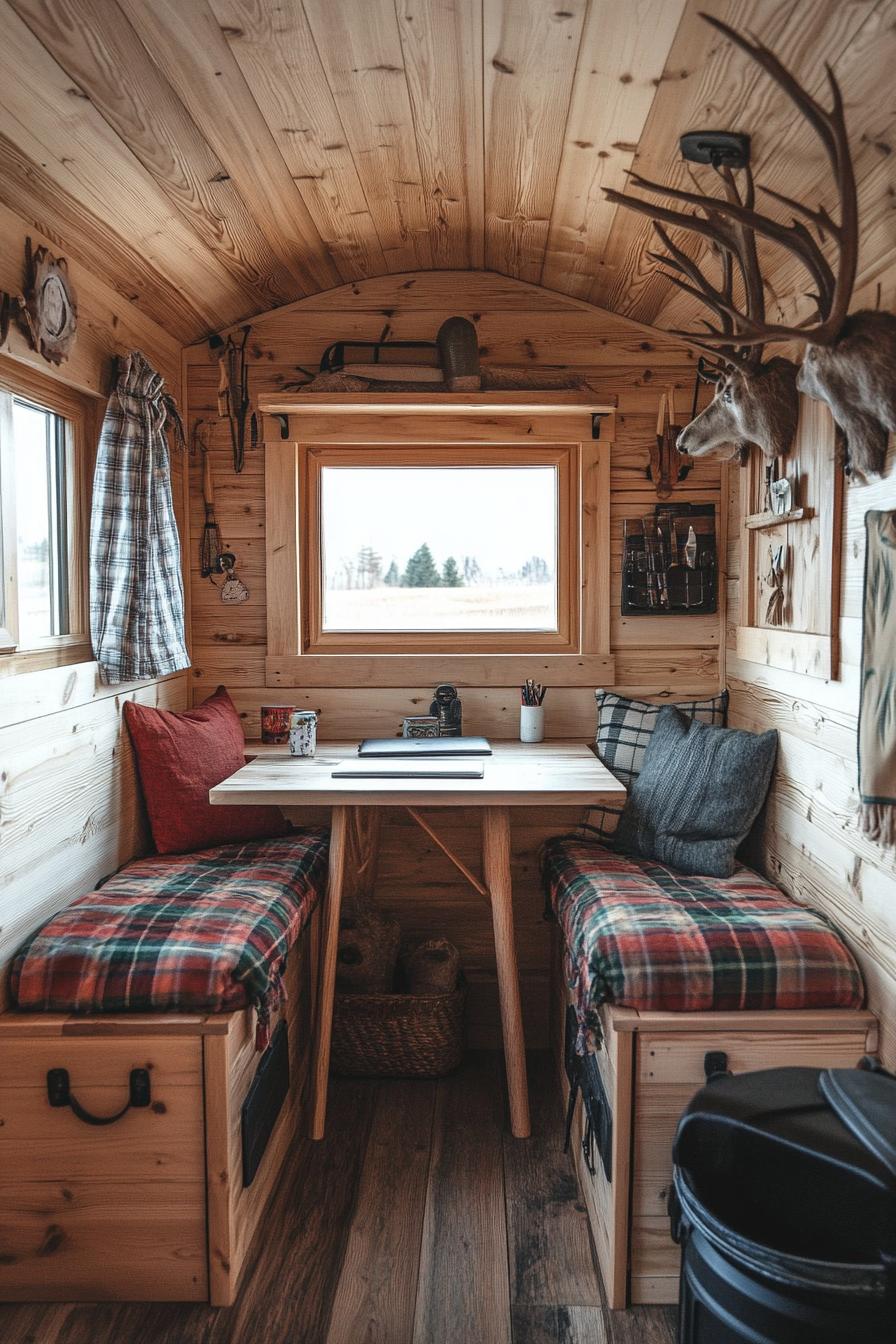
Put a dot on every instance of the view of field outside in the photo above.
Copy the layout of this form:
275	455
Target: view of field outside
439	548
31	429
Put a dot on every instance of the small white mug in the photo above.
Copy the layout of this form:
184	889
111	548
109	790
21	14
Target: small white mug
302	732
531	723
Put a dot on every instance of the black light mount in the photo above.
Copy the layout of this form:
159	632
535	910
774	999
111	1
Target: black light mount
723	149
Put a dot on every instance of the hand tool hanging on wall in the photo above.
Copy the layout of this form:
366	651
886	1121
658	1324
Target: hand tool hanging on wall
234	404
213	559
774	613
667	464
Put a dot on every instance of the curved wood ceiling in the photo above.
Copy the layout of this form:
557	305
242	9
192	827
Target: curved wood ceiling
214	159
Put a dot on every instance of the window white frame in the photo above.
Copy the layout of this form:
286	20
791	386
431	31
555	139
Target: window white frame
296	656
20	383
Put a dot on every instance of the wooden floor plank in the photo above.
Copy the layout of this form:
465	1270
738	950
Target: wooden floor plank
644	1325
549	1247
464	1293
558	1325
377	1289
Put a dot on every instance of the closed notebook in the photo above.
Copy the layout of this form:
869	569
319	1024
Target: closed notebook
416	748
408	769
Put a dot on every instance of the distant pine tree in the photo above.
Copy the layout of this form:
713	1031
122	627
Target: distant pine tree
392	578
451	575
421	570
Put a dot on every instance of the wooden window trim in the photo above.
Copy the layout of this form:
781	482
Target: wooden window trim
585	660
80	412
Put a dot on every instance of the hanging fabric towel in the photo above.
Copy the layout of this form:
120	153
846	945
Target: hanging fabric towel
877	711
136	592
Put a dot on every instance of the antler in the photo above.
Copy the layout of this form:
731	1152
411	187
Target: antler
835	294
734	242
732	224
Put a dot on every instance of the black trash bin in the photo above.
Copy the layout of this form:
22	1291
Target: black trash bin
784	1204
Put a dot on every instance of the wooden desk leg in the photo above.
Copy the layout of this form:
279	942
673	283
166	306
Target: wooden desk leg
496	869
327	983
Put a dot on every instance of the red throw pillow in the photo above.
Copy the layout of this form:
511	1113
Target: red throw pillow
180	757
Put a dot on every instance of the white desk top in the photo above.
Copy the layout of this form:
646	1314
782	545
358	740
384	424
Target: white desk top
516	775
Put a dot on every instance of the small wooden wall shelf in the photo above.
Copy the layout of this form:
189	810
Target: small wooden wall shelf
758	522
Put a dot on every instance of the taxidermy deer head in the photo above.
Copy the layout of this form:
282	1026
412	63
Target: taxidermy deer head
850	362
754	402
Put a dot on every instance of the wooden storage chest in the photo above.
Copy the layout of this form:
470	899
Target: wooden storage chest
152	1207
651	1065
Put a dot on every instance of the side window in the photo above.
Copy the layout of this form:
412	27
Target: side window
41	606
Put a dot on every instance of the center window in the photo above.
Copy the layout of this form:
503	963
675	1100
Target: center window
439	548
450	546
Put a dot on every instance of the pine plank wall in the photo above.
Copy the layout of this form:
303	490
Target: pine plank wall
520	326
70	811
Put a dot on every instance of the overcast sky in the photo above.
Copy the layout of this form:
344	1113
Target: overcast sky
501	515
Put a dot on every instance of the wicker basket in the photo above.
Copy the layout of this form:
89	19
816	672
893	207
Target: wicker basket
398	1035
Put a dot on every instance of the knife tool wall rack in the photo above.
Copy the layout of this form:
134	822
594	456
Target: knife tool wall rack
661	574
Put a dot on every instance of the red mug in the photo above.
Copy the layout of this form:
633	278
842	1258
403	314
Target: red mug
275	723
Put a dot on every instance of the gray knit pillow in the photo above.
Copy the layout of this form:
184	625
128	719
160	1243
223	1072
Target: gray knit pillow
698	794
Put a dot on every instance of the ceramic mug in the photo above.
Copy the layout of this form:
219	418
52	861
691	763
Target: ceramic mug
302	732
275	723
531	723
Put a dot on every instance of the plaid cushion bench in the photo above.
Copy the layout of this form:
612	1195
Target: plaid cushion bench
640	935
208	931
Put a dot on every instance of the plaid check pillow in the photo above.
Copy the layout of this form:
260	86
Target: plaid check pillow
601	824
624	728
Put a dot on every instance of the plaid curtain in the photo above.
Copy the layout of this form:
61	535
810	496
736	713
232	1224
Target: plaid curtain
136	592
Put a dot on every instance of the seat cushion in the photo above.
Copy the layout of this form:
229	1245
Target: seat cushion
641	935
179	758
204	932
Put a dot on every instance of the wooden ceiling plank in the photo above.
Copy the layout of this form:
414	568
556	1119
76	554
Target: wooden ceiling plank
793	162
75	232
185	40
442	47
621	60
361	53
421	289
55	125
727	90
94	43
276	53
530	54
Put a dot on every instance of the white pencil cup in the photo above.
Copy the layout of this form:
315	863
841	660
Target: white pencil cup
531	723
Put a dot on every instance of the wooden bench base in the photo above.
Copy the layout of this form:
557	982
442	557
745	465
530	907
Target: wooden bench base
151	1208
651	1066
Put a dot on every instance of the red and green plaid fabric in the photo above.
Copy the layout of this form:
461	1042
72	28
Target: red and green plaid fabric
641	935
201	932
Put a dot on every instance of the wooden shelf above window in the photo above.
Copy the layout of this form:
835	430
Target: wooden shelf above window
421	403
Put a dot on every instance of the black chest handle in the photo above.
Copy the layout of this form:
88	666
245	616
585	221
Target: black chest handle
59	1093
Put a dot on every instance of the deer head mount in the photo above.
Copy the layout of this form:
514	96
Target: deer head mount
850	362
754	403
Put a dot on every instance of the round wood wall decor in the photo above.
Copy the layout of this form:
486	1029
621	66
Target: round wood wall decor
47	309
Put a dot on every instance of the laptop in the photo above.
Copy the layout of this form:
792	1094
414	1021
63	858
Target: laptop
422	748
